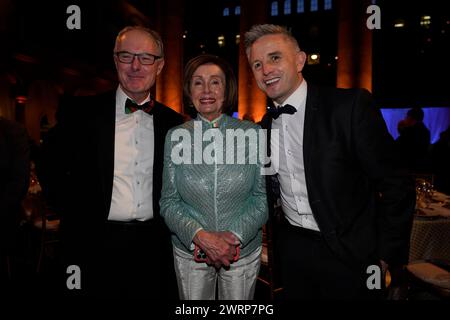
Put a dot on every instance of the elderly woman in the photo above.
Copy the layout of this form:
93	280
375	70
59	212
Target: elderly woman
213	197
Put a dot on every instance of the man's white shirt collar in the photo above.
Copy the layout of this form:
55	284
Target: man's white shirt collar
297	98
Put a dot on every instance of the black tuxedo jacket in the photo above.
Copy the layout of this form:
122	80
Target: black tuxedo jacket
360	199
86	136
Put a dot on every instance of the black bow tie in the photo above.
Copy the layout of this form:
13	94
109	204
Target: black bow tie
131	106
276	112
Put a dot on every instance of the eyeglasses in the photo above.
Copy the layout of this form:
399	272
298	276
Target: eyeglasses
144	58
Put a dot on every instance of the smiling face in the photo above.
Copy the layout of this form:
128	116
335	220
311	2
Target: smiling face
207	90
136	79
276	64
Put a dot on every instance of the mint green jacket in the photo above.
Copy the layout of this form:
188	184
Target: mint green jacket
203	189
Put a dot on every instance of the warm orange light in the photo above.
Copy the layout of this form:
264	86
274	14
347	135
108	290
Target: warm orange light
388	279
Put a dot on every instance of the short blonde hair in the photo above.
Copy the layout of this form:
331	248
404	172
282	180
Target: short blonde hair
260	30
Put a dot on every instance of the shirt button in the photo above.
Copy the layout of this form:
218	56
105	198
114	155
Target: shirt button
136	142
138	182
135	163
139	205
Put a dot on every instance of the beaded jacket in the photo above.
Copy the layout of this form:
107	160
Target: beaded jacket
212	180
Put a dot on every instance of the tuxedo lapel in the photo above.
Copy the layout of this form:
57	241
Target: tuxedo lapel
266	123
310	125
106	137
159	128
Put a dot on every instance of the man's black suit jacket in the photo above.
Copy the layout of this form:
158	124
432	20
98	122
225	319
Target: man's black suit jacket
359	197
86	137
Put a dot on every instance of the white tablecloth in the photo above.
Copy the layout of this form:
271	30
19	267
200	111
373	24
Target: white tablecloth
430	236
440	206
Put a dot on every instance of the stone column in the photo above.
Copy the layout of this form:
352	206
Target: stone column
354	66
252	101
169	88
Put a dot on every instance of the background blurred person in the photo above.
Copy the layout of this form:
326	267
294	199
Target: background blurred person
440	160
14	181
414	141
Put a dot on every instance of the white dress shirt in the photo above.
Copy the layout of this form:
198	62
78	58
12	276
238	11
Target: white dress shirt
290	164
132	195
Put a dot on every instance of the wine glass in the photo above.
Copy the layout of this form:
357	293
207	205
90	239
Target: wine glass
424	193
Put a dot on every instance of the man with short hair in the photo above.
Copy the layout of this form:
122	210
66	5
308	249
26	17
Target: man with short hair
113	160
345	204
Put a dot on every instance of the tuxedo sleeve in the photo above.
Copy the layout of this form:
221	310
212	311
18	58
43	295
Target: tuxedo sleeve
57	153
376	153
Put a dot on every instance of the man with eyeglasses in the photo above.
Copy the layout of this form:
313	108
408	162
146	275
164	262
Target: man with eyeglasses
112	165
